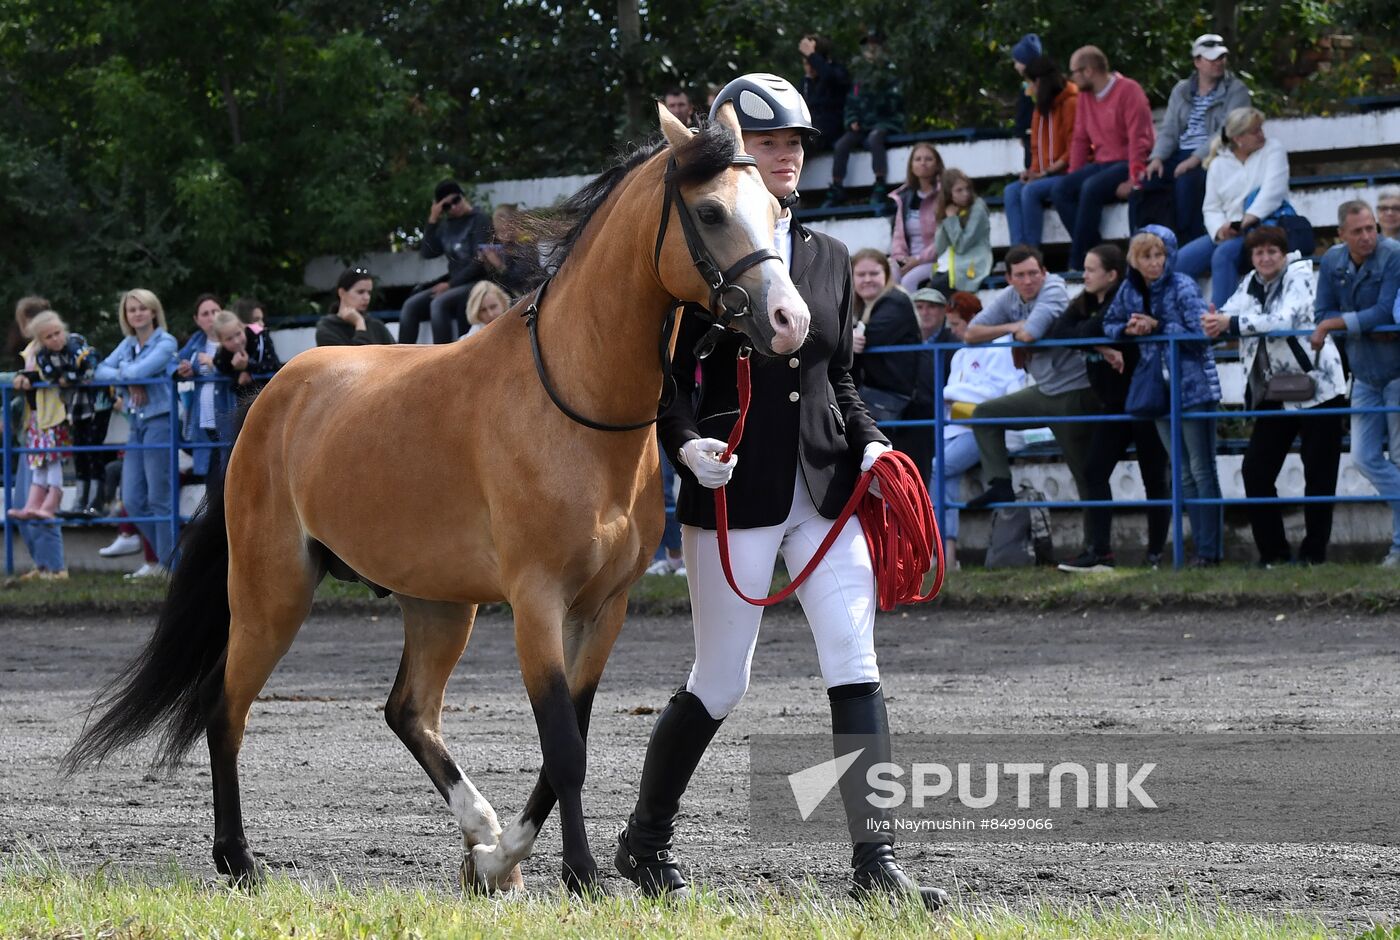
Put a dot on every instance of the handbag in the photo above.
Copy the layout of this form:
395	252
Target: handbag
1292	386
1149	395
883	405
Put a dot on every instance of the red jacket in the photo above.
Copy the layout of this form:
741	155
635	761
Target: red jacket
1052	133
1118	127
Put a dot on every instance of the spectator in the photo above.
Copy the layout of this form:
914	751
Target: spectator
963	244
1108	153
884	317
210	400
513	261
1388	212
1278	295
825	84
678	102
1110	369
246	358
1154	300
350	323
916	216
147	352
976	374
486	303
1027	49
43	540
1051	128
930	309
1026	310
874	110
1356	292
711	93
250	311
1195	114
1246	183
455	229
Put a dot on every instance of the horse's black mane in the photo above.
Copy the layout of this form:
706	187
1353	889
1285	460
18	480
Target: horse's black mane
704	157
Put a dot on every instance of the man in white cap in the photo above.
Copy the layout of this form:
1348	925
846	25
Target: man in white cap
1195	113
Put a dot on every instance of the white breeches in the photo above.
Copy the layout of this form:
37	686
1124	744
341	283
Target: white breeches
838	599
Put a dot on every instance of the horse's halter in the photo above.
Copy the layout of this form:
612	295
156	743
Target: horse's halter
721	283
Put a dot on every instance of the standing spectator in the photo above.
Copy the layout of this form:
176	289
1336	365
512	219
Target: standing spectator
678	102
884	317
1246	184
1026	310
1027	49
250	311
42	539
1051	129
455	229
147	352
1155	300
963	245
1112	139
1356	292
246	358
930	309
976	374
488	302
825	84
1278	295
874	110
349	323
513	261
1196	112
1388	212
1110	369
211	403
916	216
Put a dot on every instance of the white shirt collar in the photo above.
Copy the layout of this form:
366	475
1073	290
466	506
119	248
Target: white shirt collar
1112	80
782	238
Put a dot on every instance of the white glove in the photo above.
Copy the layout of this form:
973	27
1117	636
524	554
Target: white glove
872	451
702	457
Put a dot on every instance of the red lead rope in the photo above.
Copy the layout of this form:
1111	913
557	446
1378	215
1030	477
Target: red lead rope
899	525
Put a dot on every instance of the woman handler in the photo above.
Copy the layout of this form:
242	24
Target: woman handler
807	439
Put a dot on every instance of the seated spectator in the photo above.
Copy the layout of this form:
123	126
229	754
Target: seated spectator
1026	310
1196	112
1113	136
1246	184
1388	212
874	110
1027	49
455	229
487	303
513	261
42	539
1051	127
250	311
1110	369
677	101
1357	292
930	309
349	323
963	245
1155	300
1278	295
209	400
245	357
975	374
825	83
884	317
916	217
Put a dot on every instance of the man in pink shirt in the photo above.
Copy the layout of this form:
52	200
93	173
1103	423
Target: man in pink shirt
1113	136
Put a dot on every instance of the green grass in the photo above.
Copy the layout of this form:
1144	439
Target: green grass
1365	588
42	899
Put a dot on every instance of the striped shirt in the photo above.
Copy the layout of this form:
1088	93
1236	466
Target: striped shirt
1195	132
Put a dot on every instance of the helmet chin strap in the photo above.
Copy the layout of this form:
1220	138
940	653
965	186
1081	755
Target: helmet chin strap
790	200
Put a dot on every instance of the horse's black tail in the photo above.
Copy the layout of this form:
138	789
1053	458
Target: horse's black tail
160	689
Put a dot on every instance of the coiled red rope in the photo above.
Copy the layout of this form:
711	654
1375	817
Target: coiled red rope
899	525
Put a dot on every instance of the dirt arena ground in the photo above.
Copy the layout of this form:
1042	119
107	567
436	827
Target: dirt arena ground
329	790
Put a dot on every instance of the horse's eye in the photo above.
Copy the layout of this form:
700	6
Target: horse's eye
710	215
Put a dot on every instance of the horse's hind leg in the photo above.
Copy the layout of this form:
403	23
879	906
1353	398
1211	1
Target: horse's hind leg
435	634
269	597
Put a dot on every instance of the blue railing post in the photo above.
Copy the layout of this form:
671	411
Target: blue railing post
1178	543
9	446
175	468
940	502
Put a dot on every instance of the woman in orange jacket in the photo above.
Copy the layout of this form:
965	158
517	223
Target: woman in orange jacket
1052	125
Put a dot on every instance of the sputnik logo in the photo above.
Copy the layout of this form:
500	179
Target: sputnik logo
810	786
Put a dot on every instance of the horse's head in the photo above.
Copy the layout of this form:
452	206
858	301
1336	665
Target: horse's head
721	254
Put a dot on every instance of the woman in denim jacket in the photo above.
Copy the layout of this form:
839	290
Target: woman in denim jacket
148	352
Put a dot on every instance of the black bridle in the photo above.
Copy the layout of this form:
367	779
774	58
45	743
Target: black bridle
720	311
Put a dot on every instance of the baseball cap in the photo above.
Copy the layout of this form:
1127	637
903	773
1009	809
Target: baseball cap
1210	45
930	295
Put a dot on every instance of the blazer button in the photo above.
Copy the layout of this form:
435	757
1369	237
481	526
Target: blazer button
794	396
793	363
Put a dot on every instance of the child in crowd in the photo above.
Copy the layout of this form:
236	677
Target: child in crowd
250	311
486	302
244	354
56	357
963	244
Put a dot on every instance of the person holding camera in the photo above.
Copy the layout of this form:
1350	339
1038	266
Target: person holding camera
455	230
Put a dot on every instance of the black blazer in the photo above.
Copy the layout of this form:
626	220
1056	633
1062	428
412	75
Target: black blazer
805	408
892	323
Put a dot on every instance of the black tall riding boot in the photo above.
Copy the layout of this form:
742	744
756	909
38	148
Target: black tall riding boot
860	710
677	743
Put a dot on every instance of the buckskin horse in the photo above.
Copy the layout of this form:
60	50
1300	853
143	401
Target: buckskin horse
516	467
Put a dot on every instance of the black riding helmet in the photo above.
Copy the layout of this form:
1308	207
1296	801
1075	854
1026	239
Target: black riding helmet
766	102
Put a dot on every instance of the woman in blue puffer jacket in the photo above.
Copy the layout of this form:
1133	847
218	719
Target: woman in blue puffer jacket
1156	300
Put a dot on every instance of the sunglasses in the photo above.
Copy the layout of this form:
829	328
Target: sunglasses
449	203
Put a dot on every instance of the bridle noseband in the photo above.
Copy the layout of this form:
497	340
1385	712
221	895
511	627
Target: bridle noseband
721	312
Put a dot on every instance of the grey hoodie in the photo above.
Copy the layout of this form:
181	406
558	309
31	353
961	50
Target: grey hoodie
1233	94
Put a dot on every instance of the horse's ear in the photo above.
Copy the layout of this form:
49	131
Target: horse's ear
676	132
729	119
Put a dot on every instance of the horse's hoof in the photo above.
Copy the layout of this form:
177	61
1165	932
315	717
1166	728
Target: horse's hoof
480	875
582	881
239	865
